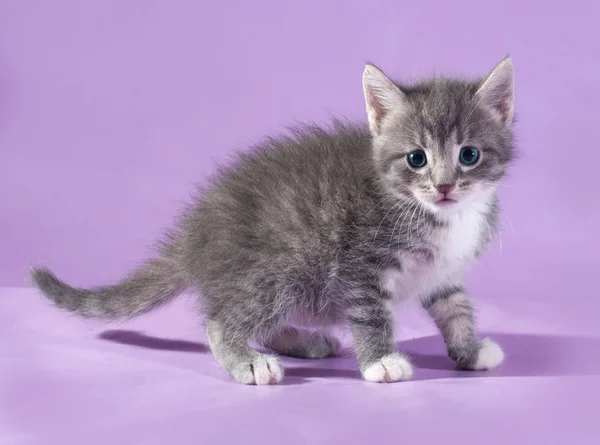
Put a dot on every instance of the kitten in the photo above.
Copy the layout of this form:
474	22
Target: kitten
331	226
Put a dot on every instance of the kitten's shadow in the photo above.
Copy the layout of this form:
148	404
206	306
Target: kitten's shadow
526	355
141	340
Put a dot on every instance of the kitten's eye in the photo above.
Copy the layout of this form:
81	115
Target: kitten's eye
417	159
469	155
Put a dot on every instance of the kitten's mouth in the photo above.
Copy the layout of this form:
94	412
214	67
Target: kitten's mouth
445	202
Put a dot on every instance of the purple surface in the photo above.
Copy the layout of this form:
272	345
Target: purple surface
109	110
153	381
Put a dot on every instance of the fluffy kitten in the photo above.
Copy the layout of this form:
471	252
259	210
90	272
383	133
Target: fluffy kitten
330	226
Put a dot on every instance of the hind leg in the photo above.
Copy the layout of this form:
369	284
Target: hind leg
243	363
303	343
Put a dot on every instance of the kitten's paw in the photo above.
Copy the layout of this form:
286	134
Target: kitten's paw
390	368
490	355
262	370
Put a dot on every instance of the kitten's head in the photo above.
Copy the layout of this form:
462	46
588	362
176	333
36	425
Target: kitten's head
444	142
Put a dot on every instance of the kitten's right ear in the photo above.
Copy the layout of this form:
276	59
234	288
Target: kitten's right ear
382	96
497	91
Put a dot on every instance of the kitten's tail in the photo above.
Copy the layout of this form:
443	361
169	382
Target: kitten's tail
153	284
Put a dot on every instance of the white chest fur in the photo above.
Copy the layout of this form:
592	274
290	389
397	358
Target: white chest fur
453	250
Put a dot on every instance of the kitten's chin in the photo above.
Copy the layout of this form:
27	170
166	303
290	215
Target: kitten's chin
445	203
445	208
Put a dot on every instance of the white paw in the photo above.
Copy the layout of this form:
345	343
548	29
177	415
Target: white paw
490	355
391	368
263	370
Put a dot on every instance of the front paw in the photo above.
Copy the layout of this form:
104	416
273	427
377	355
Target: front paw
390	368
490	355
484	356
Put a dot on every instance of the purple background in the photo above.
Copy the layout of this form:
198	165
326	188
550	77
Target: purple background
110	110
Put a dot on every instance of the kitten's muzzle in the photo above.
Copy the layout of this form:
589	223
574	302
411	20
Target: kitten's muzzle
445	196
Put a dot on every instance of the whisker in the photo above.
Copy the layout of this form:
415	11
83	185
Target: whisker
421	208
398	220
410	223
405	227
499	236
395	224
385	199
495	184
510	224
383	219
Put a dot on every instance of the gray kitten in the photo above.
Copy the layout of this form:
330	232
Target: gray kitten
331	226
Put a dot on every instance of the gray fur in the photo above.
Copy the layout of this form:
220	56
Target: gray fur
300	229
303	343
455	320
441	295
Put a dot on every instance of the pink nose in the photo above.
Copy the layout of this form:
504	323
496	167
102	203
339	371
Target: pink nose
444	188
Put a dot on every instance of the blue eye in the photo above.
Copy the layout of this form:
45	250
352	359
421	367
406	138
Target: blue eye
417	159
469	155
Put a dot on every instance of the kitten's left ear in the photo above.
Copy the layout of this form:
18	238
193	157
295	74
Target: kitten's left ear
497	91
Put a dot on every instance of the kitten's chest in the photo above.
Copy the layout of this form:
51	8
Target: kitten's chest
450	251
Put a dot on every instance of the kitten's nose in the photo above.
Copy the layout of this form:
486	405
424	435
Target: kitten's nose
444	188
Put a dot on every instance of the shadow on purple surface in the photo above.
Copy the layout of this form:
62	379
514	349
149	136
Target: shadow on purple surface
135	338
527	355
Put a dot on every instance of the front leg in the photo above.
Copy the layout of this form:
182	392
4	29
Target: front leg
372	325
452	311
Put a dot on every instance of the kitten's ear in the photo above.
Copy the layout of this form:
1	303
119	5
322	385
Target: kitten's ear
382	96
497	91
